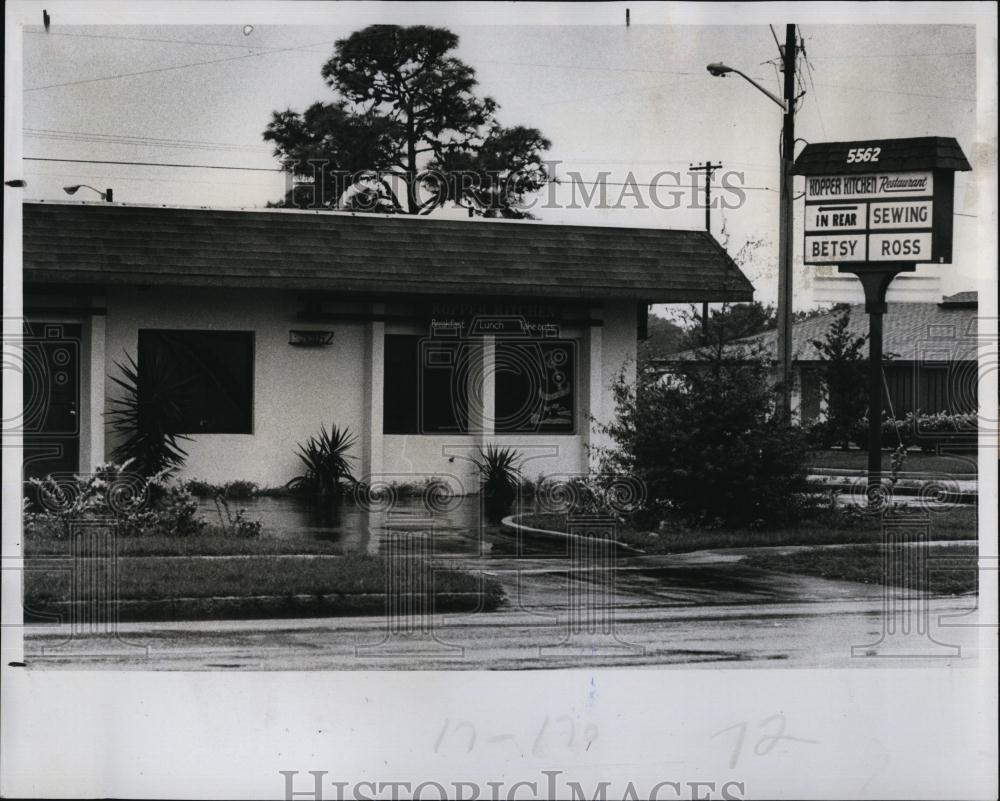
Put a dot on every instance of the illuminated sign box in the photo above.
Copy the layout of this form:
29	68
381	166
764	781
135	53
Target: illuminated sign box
887	200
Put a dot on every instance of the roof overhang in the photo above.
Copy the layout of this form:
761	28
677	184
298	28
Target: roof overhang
104	245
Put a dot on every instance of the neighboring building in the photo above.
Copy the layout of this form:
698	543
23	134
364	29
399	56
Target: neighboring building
829	285
934	350
427	338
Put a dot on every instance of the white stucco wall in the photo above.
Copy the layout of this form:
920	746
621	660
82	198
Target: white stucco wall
296	389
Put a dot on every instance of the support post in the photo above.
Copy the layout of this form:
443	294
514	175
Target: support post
708	168
785	294
875	279
874	400
372	453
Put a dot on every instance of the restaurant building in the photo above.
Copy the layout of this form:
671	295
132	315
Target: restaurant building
428	339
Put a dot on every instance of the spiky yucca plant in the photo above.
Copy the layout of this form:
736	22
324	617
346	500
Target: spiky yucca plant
326	461
500	476
147	416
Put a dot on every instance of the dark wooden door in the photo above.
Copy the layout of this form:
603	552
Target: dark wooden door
51	398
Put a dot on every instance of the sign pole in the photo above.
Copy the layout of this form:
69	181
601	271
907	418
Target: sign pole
875	279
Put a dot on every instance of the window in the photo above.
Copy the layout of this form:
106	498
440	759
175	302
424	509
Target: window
426	385
209	374
535	387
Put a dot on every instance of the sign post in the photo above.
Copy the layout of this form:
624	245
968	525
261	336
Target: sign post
875	279
878	208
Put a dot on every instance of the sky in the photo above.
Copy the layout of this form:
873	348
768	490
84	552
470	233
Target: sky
611	98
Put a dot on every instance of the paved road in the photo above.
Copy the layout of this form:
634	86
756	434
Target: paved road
819	634
704	609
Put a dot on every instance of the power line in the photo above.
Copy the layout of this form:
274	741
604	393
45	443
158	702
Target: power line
899	55
175	67
812	81
776	42
118	37
608	94
278	169
588	68
147	178
266	169
155	164
676	186
142	141
896	92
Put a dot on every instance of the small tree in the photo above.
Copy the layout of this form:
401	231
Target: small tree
845	388
406	118
707	444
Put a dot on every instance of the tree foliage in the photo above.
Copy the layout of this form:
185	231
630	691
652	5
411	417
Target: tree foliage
663	337
728	322
406	109
707	444
844	387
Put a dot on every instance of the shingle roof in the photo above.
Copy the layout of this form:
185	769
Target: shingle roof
911	332
107	244
898	155
960	299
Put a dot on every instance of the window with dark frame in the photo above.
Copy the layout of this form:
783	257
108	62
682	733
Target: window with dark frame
426	385
210	375
535	387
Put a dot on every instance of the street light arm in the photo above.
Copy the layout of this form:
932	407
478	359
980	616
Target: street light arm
773	97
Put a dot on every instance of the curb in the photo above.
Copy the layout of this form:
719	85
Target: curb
251	607
511	525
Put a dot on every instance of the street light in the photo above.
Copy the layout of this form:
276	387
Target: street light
784	333
107	194
721	71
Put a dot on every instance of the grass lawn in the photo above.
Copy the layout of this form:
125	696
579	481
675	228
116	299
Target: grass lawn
828	529
210	543
916	462
952	569
238	568
144	578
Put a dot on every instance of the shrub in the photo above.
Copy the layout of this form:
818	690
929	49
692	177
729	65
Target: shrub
894	433
236	523
708	445
500	477
924	430
112	495
231	490
822	434
327	463
931	430
844	386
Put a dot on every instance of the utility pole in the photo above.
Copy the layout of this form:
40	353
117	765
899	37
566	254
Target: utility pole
785	226
708	168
